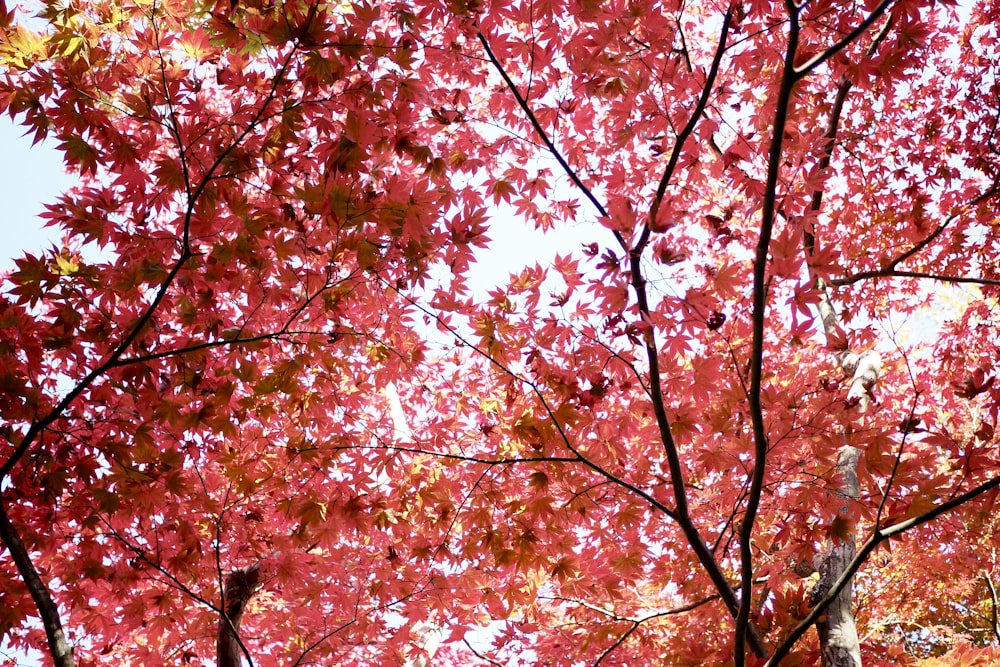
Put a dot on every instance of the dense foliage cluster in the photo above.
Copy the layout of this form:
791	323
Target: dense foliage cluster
264	341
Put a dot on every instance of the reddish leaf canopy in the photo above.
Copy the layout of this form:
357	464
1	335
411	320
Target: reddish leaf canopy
277	212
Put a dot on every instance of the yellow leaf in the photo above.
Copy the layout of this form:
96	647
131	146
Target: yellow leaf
22	48
66	265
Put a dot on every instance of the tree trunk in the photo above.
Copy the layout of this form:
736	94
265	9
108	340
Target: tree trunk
240	587
838	635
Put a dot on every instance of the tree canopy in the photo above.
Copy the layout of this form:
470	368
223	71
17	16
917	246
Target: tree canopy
255	409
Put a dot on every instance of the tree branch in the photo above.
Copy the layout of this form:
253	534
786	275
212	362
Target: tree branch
990	192
890	270
59	648
536	390
879	536
994	604
543	135
918	275
760	289
484	658
843	43
681	515
37	427
685	133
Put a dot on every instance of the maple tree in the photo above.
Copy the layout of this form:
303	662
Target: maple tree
254	407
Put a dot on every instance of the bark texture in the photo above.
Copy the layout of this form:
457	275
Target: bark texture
59	648
838	634
240	586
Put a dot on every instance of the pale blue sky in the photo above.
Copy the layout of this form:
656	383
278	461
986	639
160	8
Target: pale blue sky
29	177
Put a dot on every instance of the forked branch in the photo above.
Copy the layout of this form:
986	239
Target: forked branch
681	514
759	316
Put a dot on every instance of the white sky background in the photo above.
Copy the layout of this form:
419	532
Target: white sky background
28	178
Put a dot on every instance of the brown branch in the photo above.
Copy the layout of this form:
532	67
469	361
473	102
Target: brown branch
59	648
918	275
673	611
994	604
837	629
681	516
839	102
618	642
170	580
760	289
536	390
37	427
484	658
319	642
507	461
636	621
808	236
677	477
343	626
685	133
718	578
543	135
897	462
890	270
820	58
990	192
